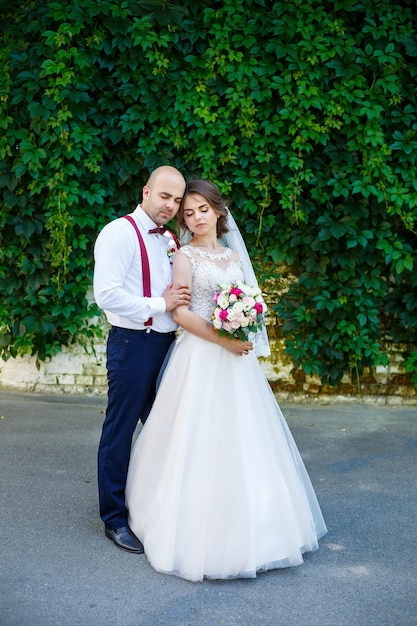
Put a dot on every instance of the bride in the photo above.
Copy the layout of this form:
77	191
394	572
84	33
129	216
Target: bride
216	487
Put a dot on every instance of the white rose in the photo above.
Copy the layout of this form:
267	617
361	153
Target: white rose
250	291
222	301
237	318
248	303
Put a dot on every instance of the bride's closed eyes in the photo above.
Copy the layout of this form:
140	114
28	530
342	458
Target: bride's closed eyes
202	209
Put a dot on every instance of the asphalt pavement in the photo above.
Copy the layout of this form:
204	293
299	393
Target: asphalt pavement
58	568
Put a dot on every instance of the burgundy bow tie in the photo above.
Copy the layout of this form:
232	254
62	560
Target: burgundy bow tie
160	230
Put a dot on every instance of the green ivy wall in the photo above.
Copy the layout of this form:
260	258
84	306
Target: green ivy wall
304	113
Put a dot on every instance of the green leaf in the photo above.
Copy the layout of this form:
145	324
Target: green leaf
338	230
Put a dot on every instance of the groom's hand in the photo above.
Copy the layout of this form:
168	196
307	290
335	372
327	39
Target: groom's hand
176	296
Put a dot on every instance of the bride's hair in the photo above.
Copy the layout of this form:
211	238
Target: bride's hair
210	192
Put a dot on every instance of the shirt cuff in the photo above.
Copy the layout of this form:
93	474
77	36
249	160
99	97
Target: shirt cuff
158	306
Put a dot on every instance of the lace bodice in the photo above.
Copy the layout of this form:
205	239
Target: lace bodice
209	270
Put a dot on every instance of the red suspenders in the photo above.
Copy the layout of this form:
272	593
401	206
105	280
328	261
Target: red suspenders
146	274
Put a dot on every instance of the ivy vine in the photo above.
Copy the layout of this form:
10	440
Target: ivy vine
303	112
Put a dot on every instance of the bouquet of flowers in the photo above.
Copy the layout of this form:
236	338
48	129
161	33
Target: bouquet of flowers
238	310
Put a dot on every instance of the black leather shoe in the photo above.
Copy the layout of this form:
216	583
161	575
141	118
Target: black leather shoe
124	539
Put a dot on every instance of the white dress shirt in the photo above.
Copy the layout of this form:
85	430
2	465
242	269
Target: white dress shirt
118	285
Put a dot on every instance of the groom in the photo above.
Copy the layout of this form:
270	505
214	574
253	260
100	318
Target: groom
132	284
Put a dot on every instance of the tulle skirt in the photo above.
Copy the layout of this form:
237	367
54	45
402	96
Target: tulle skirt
216	486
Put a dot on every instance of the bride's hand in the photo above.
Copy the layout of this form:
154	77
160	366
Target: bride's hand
237	346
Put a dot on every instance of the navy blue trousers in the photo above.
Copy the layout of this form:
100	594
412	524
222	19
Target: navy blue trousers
134	359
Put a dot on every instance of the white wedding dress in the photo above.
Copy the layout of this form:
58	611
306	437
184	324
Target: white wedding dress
216	486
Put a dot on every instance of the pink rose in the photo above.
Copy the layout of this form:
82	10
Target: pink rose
258	307
236	291
223	314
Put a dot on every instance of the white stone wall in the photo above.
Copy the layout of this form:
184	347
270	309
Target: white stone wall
71	371
75	370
